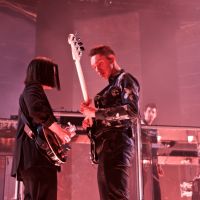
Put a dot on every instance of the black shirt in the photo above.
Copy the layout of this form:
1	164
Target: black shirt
123	89
35	106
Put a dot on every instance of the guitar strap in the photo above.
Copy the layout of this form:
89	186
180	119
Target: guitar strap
27	130
27	126
38	141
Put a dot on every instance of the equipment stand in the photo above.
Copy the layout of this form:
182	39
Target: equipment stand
138	158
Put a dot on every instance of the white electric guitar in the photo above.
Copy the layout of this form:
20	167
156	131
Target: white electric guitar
77	50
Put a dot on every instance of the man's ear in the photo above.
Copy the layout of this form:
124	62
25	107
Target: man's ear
111	58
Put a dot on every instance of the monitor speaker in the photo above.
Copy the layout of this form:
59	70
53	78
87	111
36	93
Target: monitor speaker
7	186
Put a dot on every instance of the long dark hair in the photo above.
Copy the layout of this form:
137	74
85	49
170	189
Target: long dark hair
44	71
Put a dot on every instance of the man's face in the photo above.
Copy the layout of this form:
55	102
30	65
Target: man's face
102	65
150	114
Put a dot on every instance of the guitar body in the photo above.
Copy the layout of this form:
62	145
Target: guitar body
50	146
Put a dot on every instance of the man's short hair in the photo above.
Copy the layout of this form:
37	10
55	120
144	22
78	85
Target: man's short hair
150	105
102	50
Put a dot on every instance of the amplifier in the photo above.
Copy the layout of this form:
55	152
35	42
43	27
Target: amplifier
178	160
8	129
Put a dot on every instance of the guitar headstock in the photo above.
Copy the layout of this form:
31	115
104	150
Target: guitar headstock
76	46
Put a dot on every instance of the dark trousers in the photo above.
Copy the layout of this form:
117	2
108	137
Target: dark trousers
40	183
114	168
113	182
156	183
156	193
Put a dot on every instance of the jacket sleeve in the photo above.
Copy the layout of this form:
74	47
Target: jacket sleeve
129	98
38	106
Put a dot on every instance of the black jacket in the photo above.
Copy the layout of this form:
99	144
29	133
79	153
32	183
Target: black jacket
123	89
35	106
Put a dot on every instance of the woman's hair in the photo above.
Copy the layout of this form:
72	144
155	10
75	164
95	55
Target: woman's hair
44	71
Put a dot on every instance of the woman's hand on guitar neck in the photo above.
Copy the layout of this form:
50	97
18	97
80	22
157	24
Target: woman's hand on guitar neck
64	135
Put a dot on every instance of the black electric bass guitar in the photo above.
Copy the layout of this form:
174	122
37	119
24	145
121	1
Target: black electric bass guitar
77	50
50	145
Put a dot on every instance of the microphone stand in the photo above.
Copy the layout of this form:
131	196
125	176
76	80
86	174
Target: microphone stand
139	163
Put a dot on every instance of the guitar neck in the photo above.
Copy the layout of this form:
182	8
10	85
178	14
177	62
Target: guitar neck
82	81
77	49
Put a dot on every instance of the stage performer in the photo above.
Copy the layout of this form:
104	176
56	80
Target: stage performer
111	131
36	171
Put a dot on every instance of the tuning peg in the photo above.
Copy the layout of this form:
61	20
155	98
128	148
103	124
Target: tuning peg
80	43
82	48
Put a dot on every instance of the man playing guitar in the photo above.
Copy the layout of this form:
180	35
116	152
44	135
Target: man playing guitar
111	132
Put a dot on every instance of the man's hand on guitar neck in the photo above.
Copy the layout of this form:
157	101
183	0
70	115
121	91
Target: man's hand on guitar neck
89	112
64	135
87	109
87	122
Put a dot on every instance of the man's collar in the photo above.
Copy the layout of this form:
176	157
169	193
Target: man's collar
113	77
